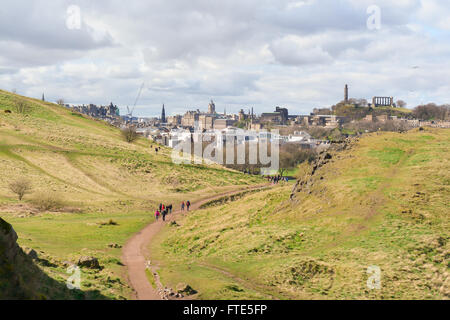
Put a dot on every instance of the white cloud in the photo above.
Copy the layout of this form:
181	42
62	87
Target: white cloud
253	53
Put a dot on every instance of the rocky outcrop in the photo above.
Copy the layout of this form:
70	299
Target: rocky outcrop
8	244
89	262
185	289
325	156
21	277
31	253
12	261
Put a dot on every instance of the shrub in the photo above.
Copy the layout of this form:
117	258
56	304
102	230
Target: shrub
20	187
21	106
46	201
129	134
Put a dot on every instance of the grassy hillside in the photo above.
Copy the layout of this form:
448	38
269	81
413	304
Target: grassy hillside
94	176
384	202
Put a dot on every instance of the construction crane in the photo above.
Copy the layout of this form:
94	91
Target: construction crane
130	112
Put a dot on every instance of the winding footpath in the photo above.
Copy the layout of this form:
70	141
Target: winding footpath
136	252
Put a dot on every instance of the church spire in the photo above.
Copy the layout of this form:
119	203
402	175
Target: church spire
163	114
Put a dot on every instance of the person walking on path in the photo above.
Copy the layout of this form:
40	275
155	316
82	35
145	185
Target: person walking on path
182	206
160	207
157	214
188	204
169	208
164	213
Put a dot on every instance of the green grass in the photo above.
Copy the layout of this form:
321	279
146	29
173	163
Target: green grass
151	278
388	156
86	164
384	202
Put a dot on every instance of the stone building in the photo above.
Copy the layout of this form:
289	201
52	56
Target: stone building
205	122
190	118
221	124
174	120
280	116
383	102
212	108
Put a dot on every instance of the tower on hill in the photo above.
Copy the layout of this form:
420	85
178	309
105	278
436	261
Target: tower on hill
43	97
346	93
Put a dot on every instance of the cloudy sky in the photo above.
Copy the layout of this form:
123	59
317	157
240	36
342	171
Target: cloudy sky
241	53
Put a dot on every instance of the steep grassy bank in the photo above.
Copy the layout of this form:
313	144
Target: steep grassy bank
384	202
93	176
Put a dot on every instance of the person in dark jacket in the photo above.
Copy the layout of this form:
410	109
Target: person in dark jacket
164	214
170	207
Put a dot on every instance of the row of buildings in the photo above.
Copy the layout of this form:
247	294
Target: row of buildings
212	120
234	136
108	112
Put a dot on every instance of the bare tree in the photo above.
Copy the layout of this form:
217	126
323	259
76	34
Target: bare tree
21	106
20	187
60	102
129	134
401	104
431	111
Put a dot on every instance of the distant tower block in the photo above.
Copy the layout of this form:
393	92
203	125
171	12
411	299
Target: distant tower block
346	93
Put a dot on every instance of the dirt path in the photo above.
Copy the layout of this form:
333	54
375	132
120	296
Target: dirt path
135	252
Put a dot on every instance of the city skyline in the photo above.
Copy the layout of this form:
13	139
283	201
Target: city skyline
295	54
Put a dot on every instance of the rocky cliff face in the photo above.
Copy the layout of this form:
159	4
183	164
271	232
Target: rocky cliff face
23	276
305	183
12	262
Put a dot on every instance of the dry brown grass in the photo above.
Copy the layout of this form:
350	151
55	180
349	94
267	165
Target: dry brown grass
48	201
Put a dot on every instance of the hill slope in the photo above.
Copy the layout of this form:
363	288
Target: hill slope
382	202
89	175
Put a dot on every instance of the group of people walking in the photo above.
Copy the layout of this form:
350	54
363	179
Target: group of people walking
164	210
277	179
185	205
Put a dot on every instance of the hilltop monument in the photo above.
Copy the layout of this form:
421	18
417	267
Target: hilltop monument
346	94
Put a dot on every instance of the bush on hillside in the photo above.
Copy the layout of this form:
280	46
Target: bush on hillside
21	106
291	155
46	201
129	134
20	187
